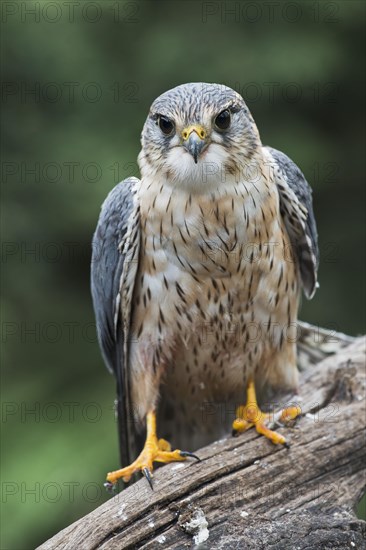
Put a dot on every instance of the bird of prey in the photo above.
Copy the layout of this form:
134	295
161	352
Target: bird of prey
196	277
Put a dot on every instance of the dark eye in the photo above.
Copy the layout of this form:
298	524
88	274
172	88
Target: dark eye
165	125
222	121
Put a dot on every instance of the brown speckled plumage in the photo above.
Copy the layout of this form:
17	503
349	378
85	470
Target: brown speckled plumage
217	285
212	290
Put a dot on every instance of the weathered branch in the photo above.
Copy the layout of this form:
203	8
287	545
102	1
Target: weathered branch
247	493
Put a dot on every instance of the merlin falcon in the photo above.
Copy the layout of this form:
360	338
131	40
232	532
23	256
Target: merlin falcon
196	276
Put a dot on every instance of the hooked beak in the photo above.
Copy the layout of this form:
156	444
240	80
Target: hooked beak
194	140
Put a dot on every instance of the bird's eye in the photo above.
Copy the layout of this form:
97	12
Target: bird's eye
222	121
166	125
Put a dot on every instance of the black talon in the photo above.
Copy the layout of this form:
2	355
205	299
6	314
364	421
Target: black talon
110	487
190	455
148	476
287	445
234	433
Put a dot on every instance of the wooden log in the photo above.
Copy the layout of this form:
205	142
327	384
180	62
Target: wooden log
247	493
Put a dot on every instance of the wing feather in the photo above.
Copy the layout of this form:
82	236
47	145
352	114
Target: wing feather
296	207
115	251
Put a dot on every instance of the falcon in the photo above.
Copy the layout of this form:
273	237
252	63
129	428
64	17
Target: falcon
196	276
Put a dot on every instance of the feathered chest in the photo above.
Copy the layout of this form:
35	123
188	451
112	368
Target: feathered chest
208	235
211	270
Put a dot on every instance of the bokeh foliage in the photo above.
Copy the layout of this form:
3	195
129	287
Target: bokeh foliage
301	70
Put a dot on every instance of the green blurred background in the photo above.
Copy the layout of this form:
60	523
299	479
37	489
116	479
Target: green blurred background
78	80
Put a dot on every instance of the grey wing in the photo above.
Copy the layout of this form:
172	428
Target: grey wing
296	206
115	249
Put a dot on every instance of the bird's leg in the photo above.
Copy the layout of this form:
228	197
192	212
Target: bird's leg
155	450
250	415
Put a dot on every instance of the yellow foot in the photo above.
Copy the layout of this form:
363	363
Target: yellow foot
250	415
154	451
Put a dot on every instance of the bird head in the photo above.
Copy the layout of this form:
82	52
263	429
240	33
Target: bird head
197	135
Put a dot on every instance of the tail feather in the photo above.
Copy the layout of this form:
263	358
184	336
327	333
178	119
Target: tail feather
315	344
